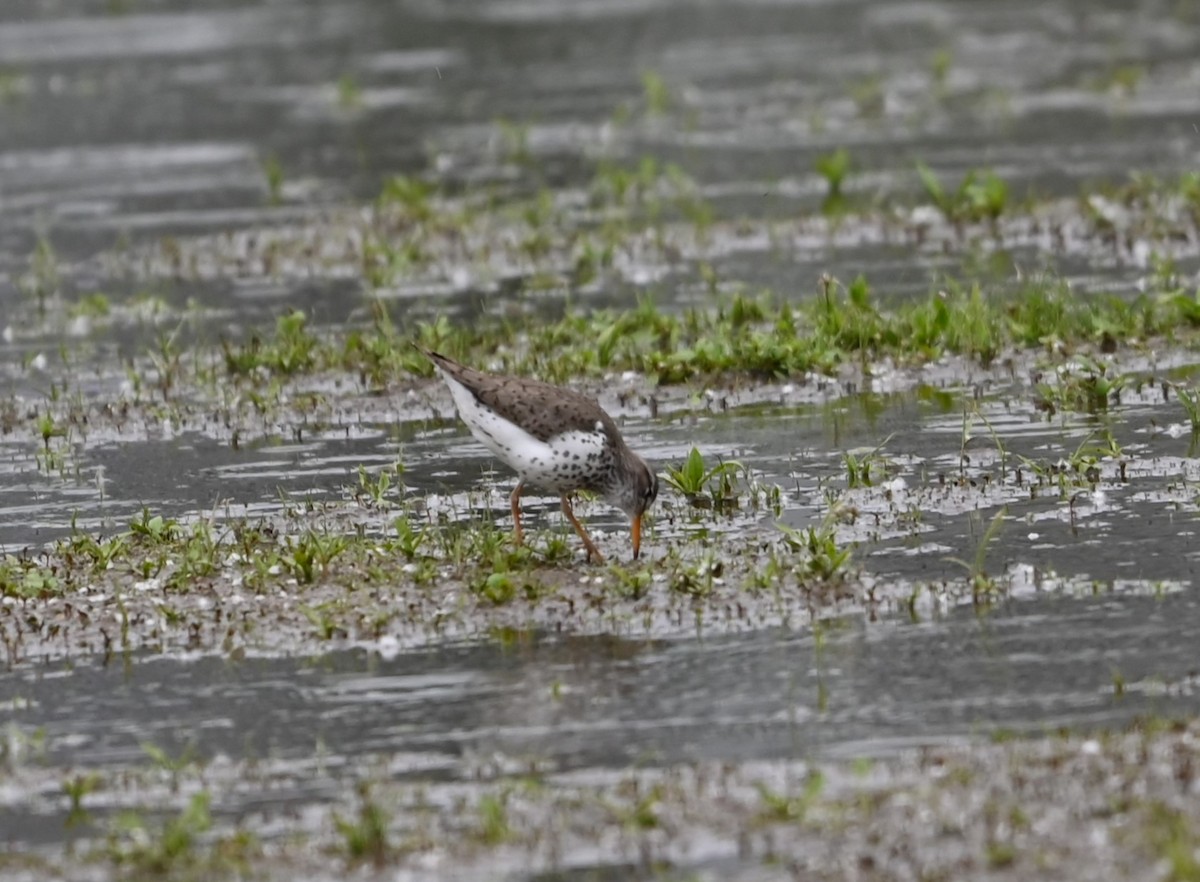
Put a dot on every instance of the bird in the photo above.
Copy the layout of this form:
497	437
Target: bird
555	439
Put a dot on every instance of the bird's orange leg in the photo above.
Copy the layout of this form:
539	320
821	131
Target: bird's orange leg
592	550
515	499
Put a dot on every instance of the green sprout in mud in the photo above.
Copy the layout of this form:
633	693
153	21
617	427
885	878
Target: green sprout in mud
497	587
324	620
939	69
178	849
76	788
49	427
44	279
349	92
13	85
18	746
188	759
864	469
1190	399
365	836
95	306
24	578
292	349
869	96
174	845
983	586
1123	80
167	360
374	491
781	808
407	198
834	167
1176	837
695	578
310	554
644	811
1087	385
656	94
630	583
273	173
706	486
980	196
154	529
514	142
409	539
821	558
493	826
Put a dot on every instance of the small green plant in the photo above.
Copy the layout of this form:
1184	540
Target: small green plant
630	583
1118	683
76	788
514	142
695	578
789	809
311	553
939	68
23	577
292	350
498	587
44	279
365	837
163	853
822	559
94	305
167	359
1086	385
374	491
154	528
273	173
862	469
869	96
13	85
1173	833
49	428
983	586
705	486
1190	399
103	554
175	766
409	539
655	93
834	167
322	618
980	196
493	825
349	92
643	812
410	198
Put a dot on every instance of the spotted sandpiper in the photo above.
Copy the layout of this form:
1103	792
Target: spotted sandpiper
555	439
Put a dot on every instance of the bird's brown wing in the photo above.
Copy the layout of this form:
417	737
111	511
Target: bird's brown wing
539	408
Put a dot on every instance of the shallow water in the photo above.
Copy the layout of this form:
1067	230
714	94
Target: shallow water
602	702
120	128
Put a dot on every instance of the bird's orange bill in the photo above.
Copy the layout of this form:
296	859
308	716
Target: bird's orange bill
637	535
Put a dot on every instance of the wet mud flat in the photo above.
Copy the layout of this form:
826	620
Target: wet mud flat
871	285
